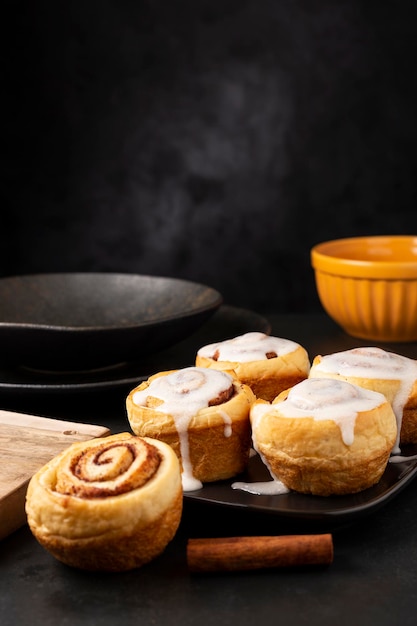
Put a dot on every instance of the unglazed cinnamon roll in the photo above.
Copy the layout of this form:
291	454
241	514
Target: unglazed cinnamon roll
202	414
325	437
110	504
373	368
267	364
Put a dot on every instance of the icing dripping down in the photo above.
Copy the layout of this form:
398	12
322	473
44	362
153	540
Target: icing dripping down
324	399
227	423
374	363
183	394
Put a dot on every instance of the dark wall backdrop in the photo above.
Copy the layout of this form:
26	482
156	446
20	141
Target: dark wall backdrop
214	141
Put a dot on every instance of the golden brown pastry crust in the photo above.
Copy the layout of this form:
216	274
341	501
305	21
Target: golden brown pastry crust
408	433
218	436
100	531
309	455
390	387
266	377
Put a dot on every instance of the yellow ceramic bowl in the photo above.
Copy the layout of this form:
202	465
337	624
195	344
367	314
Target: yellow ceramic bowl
368	285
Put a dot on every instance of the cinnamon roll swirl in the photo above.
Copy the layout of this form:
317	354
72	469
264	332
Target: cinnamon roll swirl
373	368
202	414
267	364
110	504
325	436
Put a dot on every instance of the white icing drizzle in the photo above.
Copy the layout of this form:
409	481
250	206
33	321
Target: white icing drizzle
227	423
183	393
373	363
272	487
402	459
252	346
322	399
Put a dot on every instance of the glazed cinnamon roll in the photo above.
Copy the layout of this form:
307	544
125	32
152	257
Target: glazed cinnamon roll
267	364
110	504
373	368
202	414
325	437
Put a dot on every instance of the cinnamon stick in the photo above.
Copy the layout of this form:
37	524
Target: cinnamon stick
250	553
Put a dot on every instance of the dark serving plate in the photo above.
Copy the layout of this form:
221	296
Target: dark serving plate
226	322
84	320
307	508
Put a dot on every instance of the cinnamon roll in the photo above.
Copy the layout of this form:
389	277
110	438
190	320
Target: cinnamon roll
373	368
110	504
202	414
325	436
267	364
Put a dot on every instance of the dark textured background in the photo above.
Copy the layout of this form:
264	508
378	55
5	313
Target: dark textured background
215	141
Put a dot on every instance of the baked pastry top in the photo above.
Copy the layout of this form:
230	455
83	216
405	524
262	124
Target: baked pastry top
109	503
267	364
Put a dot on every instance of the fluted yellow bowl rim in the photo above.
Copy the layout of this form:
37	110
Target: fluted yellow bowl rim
391	257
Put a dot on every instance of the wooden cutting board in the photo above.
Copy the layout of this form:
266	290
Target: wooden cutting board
27	442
